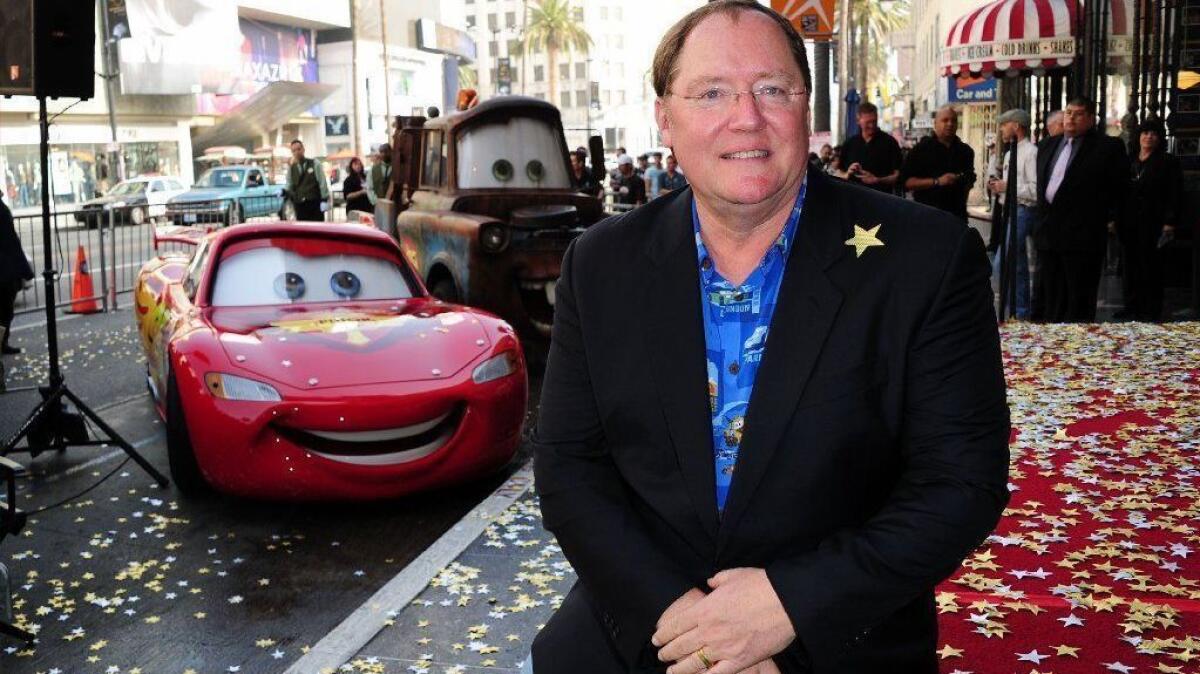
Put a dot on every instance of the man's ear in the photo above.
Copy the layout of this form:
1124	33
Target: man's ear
664	122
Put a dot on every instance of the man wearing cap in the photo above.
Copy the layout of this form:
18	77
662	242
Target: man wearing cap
940	170
1014	127
773	417
629	187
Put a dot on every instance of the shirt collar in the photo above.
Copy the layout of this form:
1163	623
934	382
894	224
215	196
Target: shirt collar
782	246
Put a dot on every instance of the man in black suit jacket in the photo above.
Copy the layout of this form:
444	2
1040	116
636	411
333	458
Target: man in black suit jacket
1082	179
874	452
14	271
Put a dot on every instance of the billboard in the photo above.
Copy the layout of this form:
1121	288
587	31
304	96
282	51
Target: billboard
179	47
266	53
441	39
814	19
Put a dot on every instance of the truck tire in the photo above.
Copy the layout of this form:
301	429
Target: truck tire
445	290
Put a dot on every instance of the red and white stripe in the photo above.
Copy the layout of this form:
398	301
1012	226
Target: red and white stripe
1018	35
1012	34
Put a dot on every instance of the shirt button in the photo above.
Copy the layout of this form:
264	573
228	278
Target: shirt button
706	264
734	368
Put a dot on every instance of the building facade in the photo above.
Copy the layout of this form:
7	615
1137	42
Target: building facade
604	91
197	76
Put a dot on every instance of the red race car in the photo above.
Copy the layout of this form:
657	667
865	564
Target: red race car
307	361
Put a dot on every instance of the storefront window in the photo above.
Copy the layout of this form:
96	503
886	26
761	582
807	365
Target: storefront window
78	171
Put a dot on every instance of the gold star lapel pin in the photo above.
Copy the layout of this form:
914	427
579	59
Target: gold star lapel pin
864	239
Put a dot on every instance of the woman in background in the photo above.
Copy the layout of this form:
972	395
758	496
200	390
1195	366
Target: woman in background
354	189
1151	211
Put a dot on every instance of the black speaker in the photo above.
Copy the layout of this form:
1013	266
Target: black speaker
64	48
48	48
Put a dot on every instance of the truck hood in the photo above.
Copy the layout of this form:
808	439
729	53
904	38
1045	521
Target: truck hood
350	345
203	194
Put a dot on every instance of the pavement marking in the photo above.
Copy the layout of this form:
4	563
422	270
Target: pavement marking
103	458
108	456
347	639
42	324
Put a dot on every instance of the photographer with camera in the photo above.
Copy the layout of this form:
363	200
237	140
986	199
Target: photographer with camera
871	157
940	170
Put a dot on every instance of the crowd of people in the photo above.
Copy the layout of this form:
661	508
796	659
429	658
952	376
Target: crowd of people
633	181
1074	187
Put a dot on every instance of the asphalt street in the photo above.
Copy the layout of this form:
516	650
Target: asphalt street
133	577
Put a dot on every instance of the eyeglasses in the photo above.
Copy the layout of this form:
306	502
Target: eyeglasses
768	97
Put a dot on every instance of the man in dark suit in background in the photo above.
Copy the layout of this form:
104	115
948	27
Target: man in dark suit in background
1082	179
14	272
793	510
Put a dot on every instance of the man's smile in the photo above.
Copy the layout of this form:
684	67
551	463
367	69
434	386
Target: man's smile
747	154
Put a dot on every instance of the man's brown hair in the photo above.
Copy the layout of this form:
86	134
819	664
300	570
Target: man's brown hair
868	108
666	58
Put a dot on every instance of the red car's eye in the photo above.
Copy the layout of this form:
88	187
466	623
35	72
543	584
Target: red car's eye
289	286
345	284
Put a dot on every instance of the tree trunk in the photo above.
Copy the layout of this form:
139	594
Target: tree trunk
864	39
354	128
552	64
524	43
821	102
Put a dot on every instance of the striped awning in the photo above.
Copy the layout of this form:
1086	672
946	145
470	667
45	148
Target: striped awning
1028	35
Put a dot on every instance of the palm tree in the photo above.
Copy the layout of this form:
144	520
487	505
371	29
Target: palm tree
821	87
553	25
873	21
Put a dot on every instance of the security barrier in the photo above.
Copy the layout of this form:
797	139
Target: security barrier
118	241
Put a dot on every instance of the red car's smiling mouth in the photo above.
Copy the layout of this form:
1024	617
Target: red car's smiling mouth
384	447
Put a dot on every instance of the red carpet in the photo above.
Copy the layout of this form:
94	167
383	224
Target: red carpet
1095	566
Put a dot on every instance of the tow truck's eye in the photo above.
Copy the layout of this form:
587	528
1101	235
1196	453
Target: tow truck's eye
345	284
289	286
535	170
502	170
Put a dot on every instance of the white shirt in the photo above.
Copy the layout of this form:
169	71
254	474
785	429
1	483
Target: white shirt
1026	173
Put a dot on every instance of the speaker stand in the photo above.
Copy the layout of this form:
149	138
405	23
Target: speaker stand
48	414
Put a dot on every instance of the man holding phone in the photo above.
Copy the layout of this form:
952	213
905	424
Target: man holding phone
871	157
940	170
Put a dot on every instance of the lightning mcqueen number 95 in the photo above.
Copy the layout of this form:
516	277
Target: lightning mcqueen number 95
307	361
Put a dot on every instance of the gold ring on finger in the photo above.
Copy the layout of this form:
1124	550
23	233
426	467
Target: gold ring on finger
704	659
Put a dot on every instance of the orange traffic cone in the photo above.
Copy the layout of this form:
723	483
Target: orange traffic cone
83	294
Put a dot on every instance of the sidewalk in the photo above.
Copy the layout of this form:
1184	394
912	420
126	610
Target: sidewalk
499	578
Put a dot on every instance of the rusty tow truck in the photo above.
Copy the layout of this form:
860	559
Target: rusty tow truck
487	206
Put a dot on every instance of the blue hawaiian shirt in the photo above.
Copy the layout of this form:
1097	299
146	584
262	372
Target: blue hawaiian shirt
736	322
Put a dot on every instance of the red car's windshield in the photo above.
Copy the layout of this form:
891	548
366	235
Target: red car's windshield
279	271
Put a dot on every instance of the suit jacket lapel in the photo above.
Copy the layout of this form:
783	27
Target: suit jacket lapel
808	303
676	354
1045	167
1087	143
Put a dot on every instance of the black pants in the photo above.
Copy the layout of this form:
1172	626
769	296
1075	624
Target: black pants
309	210
1070	284
1037	291
1143	278
8	298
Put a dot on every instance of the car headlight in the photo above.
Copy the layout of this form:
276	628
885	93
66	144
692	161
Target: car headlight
495	367
493	237
230	387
